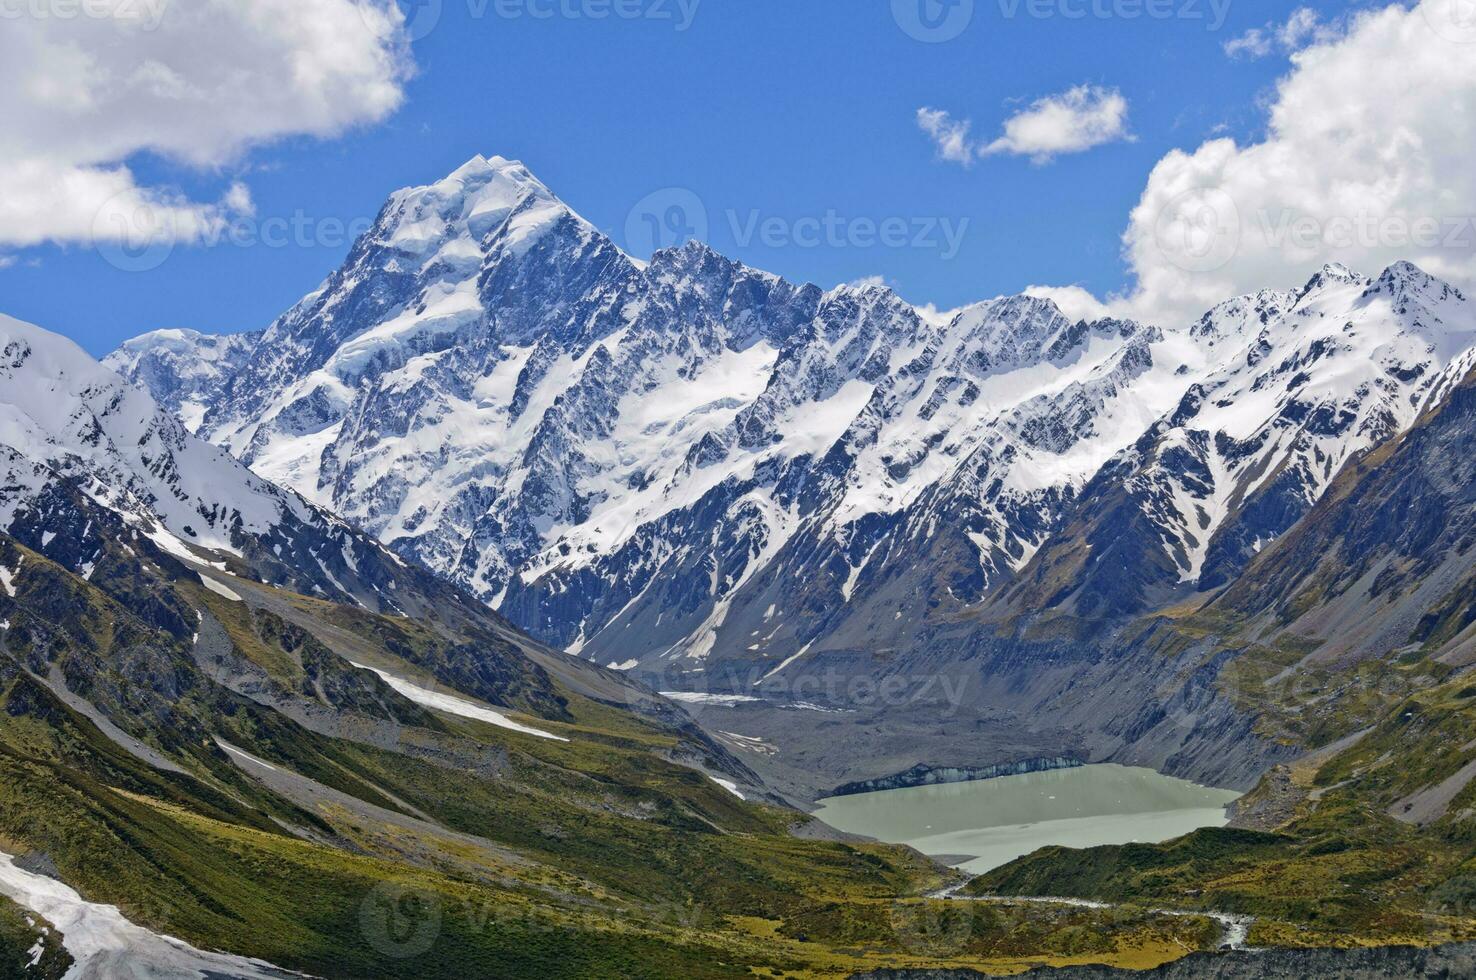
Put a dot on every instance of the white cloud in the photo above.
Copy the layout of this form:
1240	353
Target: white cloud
1254	43
931	313
950	137
1076	120
1074	301
1304	25
1366	161
199	82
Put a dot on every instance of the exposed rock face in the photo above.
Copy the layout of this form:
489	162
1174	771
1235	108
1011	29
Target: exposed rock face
1382	963
689	462
91	466
1319	376
924	775
702	473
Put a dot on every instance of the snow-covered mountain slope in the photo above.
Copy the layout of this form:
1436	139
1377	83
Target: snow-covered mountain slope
78	441
691	460
594	444
1320	375
182	369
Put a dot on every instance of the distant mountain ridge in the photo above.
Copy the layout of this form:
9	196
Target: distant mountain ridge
80	446
688	462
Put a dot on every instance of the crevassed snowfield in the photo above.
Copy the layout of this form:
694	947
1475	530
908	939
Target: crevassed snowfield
106	946
457	706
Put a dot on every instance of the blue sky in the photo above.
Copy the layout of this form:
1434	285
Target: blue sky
760	108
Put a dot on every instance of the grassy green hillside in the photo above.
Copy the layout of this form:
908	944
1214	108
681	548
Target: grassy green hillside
1372	840
218	769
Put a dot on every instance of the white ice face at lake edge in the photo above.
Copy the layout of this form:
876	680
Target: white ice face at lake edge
693	697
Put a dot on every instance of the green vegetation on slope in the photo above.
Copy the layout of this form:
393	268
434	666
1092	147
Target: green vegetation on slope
375	838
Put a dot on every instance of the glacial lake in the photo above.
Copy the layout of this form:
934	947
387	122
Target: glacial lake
981	825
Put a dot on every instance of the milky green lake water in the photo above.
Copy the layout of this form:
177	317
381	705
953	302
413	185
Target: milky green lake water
994	821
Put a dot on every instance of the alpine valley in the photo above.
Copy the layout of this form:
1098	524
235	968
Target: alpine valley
336	647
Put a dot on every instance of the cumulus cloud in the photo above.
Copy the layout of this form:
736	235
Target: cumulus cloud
1303	26
950	137
1366	161
1073	121
1074	301
1076	120
198	82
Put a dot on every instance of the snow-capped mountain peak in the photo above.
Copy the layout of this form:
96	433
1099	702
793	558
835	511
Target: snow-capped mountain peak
688	458
183	369
447	221
63	409
88	461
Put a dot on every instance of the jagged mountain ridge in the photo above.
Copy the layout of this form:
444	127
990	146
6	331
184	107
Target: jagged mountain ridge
185	366
99	479
688	459
1331	371
77	441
